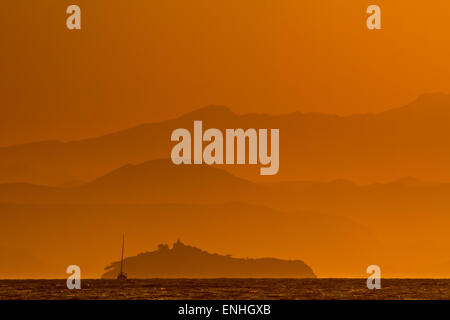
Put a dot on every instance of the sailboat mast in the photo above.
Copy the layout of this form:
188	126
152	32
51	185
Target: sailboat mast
121	260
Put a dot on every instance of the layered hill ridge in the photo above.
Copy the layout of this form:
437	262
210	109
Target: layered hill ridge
131	182
320	222
413	140
155	181
395	204
183	261
161	181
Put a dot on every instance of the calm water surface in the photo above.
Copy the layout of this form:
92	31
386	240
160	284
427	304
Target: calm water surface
227	289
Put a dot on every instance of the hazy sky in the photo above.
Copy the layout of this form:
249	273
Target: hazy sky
145	60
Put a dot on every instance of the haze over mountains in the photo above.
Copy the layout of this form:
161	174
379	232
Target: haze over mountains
124	182
335	227
160	181
409	141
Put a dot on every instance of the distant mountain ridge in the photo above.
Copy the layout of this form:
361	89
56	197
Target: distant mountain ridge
389	207
183	261
413	140
161	181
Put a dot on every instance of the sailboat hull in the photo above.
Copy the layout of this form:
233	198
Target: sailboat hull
122	277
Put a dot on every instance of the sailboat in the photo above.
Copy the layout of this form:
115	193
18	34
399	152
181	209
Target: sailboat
122	275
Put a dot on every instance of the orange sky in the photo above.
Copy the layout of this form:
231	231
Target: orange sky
145	60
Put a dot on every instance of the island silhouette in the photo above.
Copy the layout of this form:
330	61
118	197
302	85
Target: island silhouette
184	261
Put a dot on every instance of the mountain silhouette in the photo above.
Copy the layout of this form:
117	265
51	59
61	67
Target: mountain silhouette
408	141
183	261
153	181
404	206
161	181
400	222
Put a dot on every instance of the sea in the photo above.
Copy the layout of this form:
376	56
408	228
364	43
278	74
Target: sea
226	289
